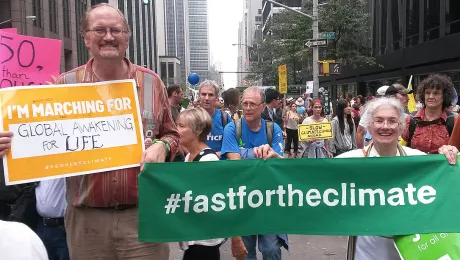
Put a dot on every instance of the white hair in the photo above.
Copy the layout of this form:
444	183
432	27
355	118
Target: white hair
367	116
210	83
256	89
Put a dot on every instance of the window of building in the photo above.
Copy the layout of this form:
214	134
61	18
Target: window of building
171	70
258	18
144	28
153	65
259	11
82	52
412	22
452	16
163	71
396	23
139	18
383	26
53	15
38	10
66	14
432	17
129	4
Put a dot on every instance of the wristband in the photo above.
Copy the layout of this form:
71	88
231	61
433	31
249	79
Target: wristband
165	145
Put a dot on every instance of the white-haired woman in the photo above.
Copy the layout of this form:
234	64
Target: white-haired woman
194	125
385	120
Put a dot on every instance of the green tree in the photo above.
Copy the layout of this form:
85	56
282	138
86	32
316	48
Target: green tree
284	44
289	31
350	21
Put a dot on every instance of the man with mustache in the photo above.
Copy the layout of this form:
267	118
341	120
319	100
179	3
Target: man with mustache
101	218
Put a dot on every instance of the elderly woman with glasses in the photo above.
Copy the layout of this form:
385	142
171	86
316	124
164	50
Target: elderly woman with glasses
385	119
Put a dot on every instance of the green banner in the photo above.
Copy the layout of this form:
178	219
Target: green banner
358	196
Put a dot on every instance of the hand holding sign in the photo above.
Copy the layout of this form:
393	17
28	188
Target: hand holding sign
5	142
26	60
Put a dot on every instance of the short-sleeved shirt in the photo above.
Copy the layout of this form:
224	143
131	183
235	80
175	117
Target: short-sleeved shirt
214	139
427	138
250	139
374	247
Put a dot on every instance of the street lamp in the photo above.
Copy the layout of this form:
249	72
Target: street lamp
33	17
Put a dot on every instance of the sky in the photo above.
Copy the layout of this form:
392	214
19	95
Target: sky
224	17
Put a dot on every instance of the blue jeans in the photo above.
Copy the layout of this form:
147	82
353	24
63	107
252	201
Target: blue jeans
269	246
55	241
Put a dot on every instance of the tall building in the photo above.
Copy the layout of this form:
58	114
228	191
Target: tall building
177	33
199	37
249	33
143	46
56	19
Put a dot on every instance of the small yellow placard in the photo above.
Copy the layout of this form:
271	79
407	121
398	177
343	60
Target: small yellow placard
315	131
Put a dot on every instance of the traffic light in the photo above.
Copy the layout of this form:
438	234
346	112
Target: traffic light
145	2
328	67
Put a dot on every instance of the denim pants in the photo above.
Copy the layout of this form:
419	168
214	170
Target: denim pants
54	239
269	246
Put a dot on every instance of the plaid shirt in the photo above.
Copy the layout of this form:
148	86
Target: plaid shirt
120	187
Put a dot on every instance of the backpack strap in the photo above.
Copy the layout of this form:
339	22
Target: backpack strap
224	118
238	131
74	77
270	128
450	122
412	126
203	152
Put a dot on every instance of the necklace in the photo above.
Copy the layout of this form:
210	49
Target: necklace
317	120
100	79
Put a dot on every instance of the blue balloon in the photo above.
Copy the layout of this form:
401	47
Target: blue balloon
193	78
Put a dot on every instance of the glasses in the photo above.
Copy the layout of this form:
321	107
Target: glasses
392	123
101	31
250	105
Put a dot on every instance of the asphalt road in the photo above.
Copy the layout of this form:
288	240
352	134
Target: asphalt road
301	248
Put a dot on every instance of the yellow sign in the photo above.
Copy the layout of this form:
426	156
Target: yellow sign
315	131
282	75
69	130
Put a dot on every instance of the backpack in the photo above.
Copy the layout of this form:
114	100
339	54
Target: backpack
413	125
204	152
269	126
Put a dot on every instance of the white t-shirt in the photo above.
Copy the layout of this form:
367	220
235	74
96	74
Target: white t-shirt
19	242
208	242
374	247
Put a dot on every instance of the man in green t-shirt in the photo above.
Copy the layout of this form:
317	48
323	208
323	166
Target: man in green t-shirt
175	96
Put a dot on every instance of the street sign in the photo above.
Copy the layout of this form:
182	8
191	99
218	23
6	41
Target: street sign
313	42
282	75
328	35
334	68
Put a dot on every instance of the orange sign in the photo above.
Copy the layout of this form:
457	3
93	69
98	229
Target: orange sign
69	130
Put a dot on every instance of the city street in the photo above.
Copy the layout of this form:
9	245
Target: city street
302	248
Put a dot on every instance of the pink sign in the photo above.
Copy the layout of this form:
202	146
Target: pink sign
26	60
10	30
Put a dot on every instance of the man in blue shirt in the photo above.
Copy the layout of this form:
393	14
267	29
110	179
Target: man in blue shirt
254	144
209	94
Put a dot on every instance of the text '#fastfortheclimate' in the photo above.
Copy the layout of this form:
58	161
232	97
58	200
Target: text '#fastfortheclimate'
68	108
348	195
